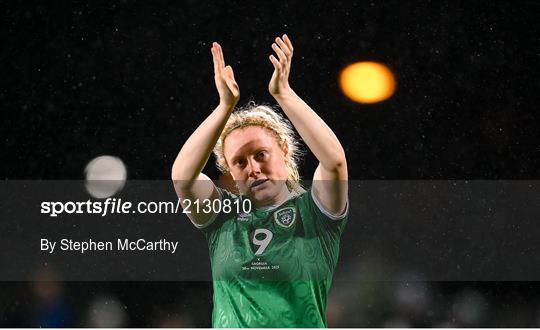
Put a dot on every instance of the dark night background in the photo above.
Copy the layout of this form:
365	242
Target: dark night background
134	79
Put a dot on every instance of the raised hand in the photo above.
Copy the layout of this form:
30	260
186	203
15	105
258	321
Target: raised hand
279	83
229	92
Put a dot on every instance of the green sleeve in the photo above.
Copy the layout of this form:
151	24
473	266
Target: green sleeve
212	227
324	219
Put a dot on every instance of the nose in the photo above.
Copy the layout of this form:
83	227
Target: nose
254	169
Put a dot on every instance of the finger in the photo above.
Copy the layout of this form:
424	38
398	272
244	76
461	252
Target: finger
214	59
283	47
280	54
288	42
221	59
219	66
275	62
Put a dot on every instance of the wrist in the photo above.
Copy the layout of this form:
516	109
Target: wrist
225	106
283	94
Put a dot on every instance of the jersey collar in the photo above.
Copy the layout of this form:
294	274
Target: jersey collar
272	207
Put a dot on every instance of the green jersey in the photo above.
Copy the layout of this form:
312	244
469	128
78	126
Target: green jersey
273	267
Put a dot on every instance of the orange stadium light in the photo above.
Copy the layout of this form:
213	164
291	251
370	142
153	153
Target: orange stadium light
367	82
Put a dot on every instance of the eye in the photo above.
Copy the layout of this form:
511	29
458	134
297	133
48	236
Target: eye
261	154
239	162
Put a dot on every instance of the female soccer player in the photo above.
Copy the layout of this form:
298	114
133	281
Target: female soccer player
272	265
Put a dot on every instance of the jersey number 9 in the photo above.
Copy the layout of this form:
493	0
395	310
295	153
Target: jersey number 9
262	243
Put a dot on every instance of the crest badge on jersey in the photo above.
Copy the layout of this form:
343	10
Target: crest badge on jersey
285	217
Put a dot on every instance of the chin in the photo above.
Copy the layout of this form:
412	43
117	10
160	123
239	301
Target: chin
260	197
266	195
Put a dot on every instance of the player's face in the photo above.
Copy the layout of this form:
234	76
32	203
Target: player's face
257	164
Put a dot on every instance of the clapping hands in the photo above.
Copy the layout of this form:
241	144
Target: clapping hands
229	92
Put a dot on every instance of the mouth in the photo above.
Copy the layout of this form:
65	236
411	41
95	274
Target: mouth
257	183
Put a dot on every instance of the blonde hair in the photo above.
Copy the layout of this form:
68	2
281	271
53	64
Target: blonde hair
266	117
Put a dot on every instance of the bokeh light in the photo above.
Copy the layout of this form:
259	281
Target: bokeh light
105	176
106	312
367	82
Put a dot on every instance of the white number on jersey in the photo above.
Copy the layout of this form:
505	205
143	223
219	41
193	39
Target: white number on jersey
262	243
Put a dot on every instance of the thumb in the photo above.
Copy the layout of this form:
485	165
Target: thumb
233	86
229	71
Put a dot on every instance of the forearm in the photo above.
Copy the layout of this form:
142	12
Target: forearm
318	136
197	149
